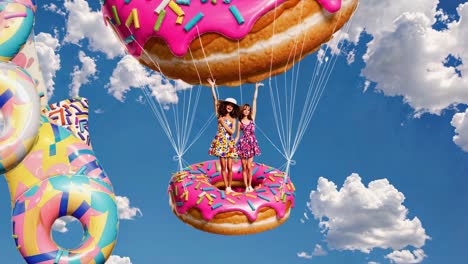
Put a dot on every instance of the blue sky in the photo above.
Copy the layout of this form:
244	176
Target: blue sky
386	149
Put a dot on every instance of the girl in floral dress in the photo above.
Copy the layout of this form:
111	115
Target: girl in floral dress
223	145
247	146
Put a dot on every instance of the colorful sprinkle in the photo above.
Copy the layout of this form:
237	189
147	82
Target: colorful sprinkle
116	15
215	175
251	205
176	8
231	200
216	206
255	171
188	184
183	2
251	195
273	191
162	6
158	23
237	15
180	20
264	198
200	200
193	22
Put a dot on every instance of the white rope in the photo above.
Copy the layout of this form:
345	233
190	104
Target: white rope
180	136
289	134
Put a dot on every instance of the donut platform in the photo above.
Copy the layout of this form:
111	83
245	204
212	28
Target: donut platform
198	198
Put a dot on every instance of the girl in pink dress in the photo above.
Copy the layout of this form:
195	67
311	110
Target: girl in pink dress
247	146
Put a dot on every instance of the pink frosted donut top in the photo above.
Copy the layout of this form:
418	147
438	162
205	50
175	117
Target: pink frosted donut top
193	188
178	22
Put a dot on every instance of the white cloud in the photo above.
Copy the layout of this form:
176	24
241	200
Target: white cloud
415	70
319	251
351	56
372	262
460	122
83	23
129	74
49	60
126	212
60	225
304	255
54	9
362	218
99	111
81	76
113	259
406	257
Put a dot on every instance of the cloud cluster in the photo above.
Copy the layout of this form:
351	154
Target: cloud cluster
460	123
126	212
317	252
113	259
83	23
408	58
406	256
81	76
411	58
362	218
129	74
60	225
47	48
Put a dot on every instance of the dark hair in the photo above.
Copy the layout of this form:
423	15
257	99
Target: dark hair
241	112
222	111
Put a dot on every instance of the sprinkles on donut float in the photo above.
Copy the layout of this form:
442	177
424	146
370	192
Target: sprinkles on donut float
197	197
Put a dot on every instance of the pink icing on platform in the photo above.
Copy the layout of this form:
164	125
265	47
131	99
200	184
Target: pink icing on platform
216	18
198	179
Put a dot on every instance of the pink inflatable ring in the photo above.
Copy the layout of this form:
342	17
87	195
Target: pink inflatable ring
198	198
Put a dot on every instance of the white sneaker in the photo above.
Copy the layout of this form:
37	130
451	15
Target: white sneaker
250	189
228	189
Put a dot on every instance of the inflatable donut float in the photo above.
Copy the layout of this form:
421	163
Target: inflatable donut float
87	199
16	22
231	41
61	176
19	106
49	165
198	198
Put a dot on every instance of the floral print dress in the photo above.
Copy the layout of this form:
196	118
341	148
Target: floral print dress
223	144
247	147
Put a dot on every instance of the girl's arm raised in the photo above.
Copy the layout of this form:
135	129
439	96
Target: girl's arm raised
254	103
215	98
